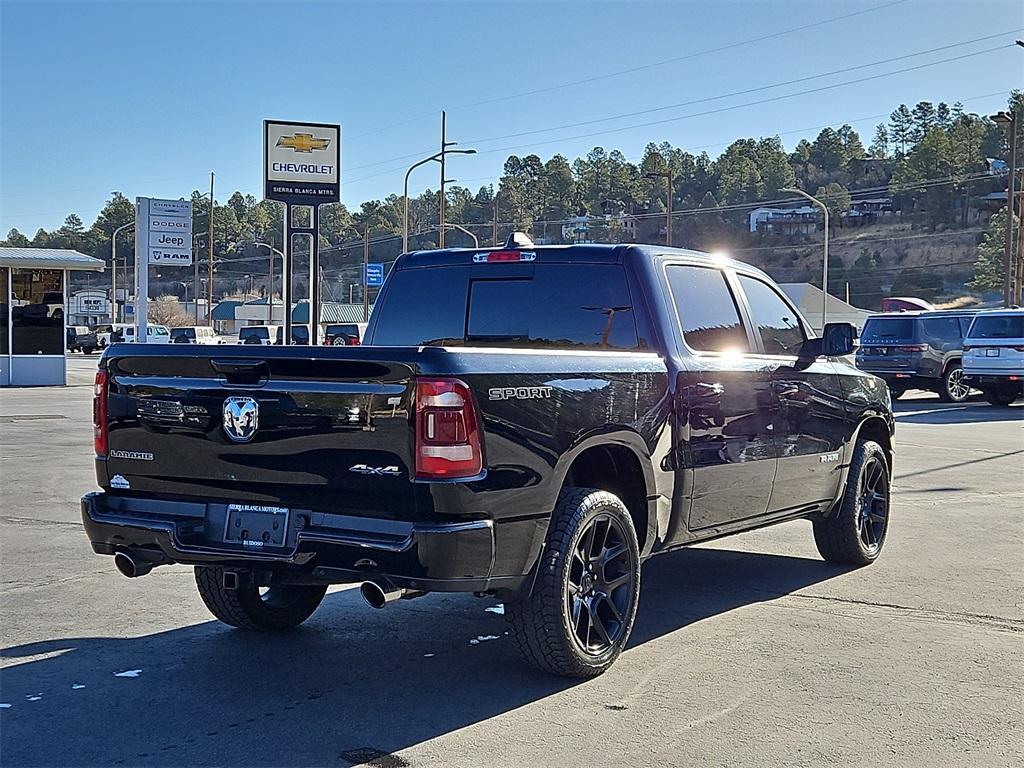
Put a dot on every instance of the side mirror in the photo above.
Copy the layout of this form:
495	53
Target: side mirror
837	339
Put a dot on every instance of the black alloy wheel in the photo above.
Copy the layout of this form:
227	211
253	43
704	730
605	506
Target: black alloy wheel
600	587
873	504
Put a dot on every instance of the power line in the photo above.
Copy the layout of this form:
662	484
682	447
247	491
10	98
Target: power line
640	68
746	91
677	59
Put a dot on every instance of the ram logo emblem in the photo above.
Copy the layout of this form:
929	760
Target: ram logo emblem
241	418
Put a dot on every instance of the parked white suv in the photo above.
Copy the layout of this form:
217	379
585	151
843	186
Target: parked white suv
155	334
993	358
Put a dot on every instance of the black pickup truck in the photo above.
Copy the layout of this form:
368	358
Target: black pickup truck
525	422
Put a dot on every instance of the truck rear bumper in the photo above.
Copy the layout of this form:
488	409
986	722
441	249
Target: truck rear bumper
321	548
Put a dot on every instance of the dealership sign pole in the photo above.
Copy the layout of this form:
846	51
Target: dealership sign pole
163	236
301	168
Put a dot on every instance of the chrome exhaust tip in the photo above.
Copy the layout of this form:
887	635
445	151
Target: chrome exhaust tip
377	594
131	565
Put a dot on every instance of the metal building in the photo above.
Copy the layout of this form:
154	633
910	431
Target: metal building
33	313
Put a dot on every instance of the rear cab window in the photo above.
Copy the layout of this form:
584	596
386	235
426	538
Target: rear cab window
706	309
548	306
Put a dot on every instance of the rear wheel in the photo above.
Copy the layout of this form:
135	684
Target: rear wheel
251	607
854	533
1002	396
577	619
954	389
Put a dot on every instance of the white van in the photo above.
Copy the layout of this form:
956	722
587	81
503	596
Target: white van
155	334
195	334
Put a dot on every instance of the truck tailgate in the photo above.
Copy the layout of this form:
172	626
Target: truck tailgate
318	428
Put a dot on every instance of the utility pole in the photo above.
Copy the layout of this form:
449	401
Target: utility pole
209	265
1008	120
440	202
494	224
667	175
366	267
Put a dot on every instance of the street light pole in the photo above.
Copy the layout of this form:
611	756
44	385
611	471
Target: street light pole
113	266
209	266
366	267
1008	120
460	228
824	260
667	175
405	197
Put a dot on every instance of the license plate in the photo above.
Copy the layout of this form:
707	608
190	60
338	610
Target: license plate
991	353
255	526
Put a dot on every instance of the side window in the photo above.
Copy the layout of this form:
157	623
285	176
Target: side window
706	309
776	321
941	329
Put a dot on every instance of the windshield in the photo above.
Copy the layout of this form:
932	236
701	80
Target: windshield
187	333
998	327
254	333
882	329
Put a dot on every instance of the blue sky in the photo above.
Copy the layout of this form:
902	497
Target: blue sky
148	97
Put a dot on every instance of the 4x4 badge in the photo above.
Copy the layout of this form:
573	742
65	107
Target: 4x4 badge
363	469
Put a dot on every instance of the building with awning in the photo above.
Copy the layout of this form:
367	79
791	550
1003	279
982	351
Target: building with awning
34	311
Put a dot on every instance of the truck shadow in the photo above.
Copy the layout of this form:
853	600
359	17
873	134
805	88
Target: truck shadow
350	685
974	411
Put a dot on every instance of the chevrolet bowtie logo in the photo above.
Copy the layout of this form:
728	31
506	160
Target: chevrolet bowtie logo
303	142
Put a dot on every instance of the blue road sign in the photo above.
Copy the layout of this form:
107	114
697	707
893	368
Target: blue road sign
375	274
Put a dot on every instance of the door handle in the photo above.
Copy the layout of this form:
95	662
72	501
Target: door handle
705	389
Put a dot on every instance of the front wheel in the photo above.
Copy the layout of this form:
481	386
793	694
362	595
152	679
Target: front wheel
577	619
954	389
248	606
854	533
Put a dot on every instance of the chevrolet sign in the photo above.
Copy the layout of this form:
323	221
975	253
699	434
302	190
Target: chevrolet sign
300	162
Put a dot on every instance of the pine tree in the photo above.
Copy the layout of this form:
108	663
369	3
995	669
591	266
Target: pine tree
924	119
901	124
880	144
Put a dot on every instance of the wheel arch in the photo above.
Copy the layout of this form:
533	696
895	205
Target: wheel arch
873	426
620	463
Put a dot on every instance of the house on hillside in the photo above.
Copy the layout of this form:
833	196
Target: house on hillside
784	221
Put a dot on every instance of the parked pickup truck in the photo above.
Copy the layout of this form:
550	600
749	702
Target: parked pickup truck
525	422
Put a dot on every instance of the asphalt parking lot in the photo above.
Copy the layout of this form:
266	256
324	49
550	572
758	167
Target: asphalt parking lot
748	652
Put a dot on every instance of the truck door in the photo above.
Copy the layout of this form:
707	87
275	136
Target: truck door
810	419
725	454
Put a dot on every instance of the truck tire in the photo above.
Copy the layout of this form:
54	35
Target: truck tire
577	618
280	607
854	533
953	388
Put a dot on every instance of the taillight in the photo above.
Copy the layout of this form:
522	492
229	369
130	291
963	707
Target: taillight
483	258
353	341
913	348
99	413
447	430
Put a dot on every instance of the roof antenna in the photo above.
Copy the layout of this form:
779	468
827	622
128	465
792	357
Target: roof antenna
518	240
